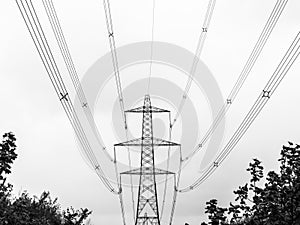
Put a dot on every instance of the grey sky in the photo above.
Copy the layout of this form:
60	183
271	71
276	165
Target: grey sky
49	158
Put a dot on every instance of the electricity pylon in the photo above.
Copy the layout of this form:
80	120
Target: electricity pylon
147	212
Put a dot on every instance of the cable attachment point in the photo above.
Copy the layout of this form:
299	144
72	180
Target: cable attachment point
182	160
216	164
63	96
175	188
266	94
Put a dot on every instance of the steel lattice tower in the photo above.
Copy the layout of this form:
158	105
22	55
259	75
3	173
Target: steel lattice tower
147	212
147	195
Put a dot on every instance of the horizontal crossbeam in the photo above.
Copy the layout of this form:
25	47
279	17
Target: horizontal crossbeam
150	109
147	171
147	142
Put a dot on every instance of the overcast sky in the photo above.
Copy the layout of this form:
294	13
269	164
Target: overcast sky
48	153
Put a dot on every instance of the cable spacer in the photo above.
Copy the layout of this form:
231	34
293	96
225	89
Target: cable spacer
229	101
266	94
63	96
204	29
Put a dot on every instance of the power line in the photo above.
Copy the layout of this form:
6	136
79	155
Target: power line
55	24
269	89
167	169
111	37
176	187
40	41
56	27
201	41
120	187
60	38
264	36
151	46
109	24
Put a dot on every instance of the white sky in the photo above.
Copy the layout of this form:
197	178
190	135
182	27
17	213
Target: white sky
49	158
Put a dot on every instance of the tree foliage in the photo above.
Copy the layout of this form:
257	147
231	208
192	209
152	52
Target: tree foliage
26	210
274	202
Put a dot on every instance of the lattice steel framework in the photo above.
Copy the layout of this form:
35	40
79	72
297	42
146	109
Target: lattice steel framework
147	212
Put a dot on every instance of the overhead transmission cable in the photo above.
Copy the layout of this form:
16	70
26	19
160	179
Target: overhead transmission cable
167	169
60	38
112	44
34	27
201	41
151	46
118	178
269	89
208	16
56	27
264	36
176	187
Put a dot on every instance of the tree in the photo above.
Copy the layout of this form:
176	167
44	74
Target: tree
75	217
7	156
215	213
26	210
277	202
